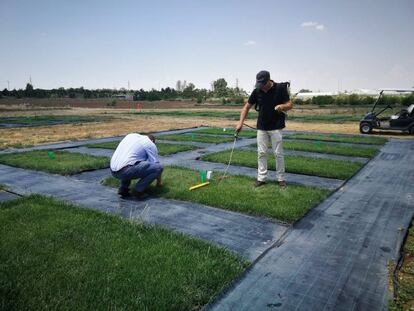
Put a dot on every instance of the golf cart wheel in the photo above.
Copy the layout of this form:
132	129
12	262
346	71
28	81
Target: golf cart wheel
365	128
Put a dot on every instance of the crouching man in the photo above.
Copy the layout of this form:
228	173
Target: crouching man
136	157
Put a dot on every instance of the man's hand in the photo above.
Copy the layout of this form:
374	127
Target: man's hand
239	127
284	107
159	182
279	108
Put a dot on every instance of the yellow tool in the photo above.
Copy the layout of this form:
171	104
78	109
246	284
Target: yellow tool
199	185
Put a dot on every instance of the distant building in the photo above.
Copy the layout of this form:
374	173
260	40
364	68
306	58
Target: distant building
313	94
124	96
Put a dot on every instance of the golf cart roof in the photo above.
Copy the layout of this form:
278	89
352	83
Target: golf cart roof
396	90
401	90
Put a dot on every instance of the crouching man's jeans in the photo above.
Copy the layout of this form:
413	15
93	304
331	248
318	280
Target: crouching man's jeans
263	138
146	171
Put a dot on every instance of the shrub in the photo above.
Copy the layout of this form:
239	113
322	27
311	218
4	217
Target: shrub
323	100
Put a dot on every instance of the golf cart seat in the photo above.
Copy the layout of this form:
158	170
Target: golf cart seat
403	118
410	110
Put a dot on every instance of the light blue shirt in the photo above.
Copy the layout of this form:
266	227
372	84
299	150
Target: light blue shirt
133	148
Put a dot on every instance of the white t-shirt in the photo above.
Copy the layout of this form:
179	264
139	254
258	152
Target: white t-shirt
133	148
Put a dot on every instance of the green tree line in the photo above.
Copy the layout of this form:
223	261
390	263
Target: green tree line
356	100
183	90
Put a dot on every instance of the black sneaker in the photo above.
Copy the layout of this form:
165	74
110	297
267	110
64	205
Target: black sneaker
259	183
139	195
123	192
282	184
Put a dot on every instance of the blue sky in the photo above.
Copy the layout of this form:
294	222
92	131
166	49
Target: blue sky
320	45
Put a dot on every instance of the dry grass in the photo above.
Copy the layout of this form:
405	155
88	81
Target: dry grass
48	134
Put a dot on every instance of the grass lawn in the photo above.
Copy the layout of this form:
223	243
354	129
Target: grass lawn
405	289
163	149
57	162
237	194
188	114
342	139
329	148
328	118
294	164
227	131
195	137
50	120
56	256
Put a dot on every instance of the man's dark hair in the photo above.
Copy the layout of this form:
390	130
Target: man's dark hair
152	137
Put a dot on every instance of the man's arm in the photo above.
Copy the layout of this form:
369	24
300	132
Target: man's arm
152	153
243	116
285	106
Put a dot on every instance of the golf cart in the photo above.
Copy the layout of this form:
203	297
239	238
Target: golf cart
401	121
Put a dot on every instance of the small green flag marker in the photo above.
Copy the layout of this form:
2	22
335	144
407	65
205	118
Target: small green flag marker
50	154
203	175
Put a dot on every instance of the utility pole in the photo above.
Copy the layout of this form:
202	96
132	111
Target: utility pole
30	80
8	85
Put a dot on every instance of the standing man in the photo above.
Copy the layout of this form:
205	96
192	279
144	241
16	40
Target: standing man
271	100
136	157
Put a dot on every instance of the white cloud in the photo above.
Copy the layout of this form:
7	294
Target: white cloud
314	25
309	24
250	42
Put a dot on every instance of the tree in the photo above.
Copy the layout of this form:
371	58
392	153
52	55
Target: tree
28	92
220	87
6	92
188	92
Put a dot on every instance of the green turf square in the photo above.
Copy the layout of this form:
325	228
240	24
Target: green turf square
294	164
56	256
57	162
237	194
163	149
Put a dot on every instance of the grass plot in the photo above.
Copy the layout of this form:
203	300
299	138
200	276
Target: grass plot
163	149
195	137
52	120
405	289
230	115
237	194
57	162
341	139
294	164
227	131
329	148
56	256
